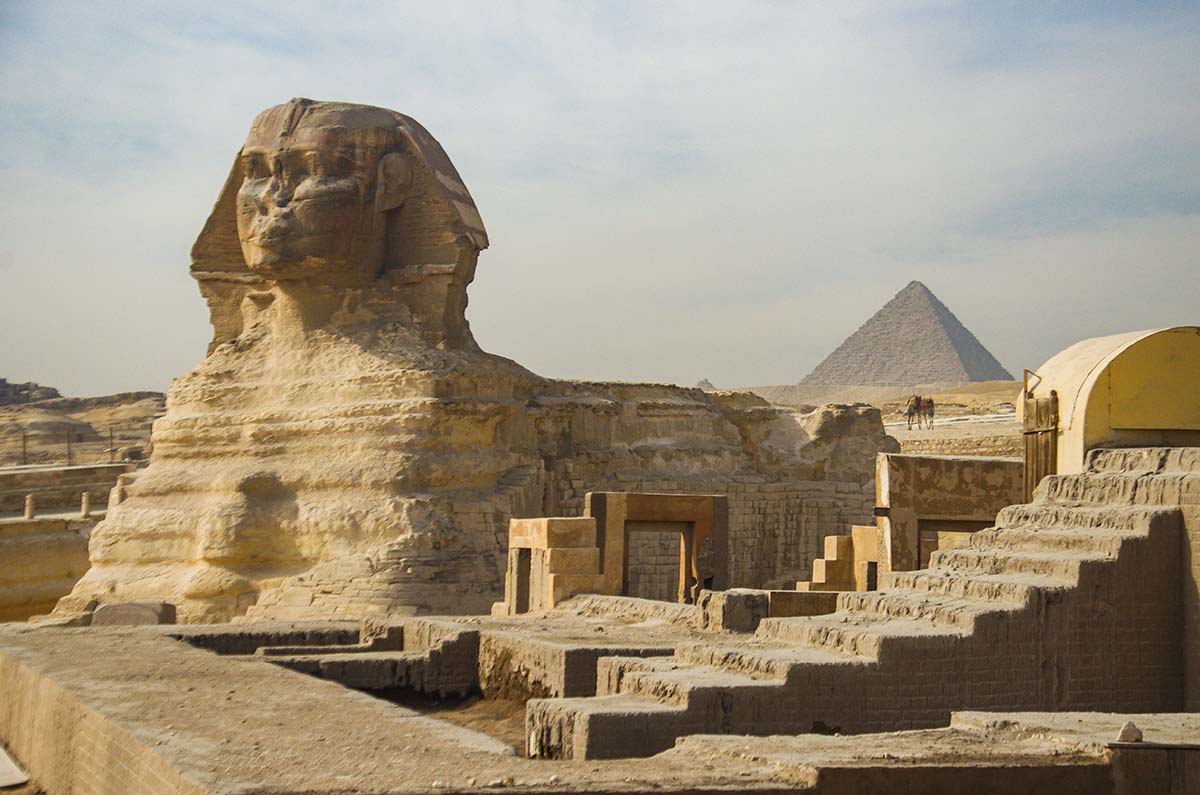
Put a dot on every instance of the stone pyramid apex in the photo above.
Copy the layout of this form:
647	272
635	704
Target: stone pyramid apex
914	339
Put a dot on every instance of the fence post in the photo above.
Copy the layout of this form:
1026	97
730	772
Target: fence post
30	506
24	447
68	447
110	445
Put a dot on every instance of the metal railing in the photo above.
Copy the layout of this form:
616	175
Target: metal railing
72	446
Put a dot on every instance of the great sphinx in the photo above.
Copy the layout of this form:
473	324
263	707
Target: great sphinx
345	448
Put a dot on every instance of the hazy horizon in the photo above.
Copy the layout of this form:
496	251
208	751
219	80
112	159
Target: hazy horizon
673	191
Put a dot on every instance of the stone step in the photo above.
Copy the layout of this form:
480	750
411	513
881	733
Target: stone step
1144	459
862	637
937	609
1067	516
826	571
1095	541
755	657
1010	589
360	670
839	547
981	603
1117	488
667	680
1062	566
603	727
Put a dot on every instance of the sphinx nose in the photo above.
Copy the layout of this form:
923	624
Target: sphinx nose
281	193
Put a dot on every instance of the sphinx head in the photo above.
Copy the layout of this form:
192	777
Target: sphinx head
337	194
318	180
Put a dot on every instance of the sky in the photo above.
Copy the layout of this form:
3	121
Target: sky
673	190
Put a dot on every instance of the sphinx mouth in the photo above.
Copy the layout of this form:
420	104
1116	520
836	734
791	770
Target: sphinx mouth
275	237
275	233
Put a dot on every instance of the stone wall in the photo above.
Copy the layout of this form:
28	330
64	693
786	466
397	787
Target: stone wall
935	495
41	559
776	530
653	567
101	756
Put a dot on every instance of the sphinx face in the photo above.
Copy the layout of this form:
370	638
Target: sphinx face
306	208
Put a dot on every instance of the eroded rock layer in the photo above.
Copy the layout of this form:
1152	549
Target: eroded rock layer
346	449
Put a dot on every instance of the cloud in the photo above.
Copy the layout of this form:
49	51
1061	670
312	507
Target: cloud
672	190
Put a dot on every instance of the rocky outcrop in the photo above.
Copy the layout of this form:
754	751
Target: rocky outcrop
346	448
12	394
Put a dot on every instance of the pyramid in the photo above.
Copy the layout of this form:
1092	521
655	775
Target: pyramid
914	339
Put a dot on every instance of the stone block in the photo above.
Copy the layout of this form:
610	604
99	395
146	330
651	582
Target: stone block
567	560
564	586
789	604
865	540
832	571
546	533
838	547
133	614
736	610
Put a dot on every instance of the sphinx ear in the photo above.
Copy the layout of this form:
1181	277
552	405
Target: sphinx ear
394	182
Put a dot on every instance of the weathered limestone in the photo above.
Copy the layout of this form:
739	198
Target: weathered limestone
850	562
1070	602
549	560
135	730
347	450
701	521
552	559
923	503
41	559
124	614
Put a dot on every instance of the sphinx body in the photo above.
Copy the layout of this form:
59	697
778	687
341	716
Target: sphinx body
346	449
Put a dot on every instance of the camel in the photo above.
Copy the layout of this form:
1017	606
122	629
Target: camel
913	410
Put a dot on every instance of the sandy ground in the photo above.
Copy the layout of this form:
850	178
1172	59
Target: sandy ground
989	435
499	718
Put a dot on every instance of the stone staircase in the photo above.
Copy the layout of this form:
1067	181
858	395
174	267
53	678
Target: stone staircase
1072	602
847	564
432	657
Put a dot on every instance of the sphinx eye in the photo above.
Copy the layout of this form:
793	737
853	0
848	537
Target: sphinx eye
315	165
255	167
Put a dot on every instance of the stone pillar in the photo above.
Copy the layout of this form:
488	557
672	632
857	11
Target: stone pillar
30	507
85	505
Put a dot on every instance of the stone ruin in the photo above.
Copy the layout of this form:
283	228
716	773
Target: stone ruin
347	459
347	449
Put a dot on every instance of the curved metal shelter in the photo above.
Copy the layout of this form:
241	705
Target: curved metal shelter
1138	388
